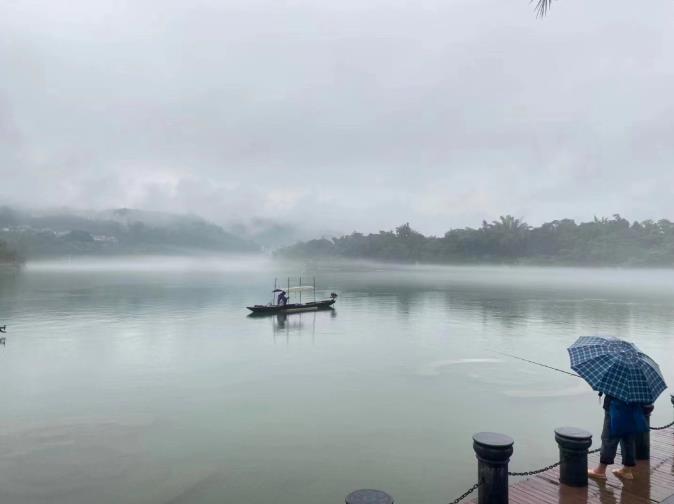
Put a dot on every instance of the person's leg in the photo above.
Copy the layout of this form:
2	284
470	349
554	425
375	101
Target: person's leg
609	447
628	449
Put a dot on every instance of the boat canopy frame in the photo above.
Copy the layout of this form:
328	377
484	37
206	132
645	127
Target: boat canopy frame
297	289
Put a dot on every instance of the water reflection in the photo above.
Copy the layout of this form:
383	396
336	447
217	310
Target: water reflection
285	324
595	307
616	313
108	295
612	490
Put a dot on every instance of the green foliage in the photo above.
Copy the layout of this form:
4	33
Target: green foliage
601	242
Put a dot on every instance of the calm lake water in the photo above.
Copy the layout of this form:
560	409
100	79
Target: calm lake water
144	381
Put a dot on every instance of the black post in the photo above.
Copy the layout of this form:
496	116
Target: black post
643	440
573	445
493	453
368	496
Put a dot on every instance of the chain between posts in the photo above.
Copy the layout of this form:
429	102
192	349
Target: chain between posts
465	494
526	473
546	468
663	427
537	471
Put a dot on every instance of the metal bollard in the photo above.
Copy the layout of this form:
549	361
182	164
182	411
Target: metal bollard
573	445
493	453
368	496
643	441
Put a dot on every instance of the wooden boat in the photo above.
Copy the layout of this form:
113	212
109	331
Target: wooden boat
276	306
325	304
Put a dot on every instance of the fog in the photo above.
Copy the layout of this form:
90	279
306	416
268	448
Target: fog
339	115
596	283
152	264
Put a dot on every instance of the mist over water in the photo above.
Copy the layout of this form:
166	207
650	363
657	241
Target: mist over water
143	380
160	263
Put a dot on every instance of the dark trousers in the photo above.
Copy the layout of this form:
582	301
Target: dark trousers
609	445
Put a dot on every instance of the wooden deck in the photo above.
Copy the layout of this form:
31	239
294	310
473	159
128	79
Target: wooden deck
653	482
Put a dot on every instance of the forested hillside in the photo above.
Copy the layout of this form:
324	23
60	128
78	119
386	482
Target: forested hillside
121	231
611	242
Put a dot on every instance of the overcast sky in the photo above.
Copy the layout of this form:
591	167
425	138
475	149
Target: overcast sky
344	114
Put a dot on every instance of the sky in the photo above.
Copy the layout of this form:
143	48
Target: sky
340	115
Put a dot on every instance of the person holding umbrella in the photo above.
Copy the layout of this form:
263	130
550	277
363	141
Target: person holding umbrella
628	379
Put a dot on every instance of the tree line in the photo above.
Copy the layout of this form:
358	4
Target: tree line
601	242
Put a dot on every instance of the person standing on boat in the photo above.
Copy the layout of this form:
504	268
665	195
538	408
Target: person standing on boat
282	298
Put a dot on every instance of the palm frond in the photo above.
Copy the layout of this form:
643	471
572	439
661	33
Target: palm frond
542	7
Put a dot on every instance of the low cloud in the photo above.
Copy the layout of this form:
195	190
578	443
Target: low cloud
340	115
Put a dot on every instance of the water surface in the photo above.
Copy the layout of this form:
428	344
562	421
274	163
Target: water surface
143	380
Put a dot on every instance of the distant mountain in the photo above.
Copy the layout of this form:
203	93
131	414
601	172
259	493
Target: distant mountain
120	231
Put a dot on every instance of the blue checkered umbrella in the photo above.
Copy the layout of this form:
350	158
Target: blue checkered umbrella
617	368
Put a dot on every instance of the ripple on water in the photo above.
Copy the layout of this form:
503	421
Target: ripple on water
438	367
